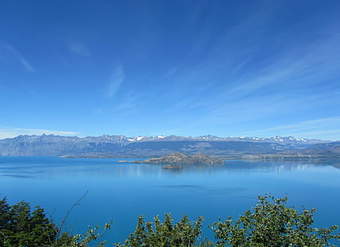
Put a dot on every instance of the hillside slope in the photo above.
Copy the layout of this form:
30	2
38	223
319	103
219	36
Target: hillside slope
122	146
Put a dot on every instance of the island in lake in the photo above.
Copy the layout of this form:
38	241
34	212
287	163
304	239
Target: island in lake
177	160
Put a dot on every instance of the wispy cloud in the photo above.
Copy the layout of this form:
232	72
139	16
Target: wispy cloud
18	56
264	82
316	128
79	49
13	132
116	80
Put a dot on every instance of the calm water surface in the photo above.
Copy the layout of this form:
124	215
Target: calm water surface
121	192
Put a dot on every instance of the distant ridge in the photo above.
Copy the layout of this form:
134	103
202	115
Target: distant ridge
125	139
147	146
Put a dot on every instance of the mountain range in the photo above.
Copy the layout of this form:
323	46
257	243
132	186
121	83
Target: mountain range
146	146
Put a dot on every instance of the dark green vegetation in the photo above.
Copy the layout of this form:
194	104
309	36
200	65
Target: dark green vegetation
22	226
166	233
269	223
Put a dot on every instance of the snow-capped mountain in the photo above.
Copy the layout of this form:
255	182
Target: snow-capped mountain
119	145
275	139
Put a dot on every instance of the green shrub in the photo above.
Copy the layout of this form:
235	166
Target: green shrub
270	224
273	224
164	234
22	227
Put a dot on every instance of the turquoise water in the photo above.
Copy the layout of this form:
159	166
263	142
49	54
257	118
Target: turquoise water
121	192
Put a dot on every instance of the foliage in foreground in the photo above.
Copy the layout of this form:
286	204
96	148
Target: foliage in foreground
21	226
269	223
273	224
166	233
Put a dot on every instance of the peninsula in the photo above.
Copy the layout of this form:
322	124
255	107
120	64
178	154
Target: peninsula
182	159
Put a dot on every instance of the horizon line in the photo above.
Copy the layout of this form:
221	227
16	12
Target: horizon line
172	135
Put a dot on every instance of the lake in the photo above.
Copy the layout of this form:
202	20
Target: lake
121	192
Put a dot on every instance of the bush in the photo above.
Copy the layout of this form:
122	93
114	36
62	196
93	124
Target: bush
164	234
270	223
273	224
20	226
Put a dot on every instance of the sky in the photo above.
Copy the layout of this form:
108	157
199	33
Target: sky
179	67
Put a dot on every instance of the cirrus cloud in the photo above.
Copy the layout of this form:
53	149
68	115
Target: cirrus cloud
13	132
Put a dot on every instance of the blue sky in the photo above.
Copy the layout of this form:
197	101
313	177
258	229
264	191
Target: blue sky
226	68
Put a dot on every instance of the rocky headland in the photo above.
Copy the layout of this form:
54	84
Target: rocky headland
176	159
